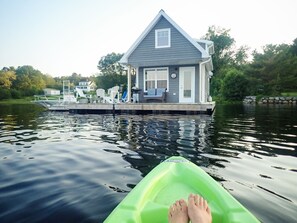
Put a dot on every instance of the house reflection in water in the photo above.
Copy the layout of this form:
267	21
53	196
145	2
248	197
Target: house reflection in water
152	139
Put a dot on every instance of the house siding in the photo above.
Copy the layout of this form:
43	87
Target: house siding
181	51
172	95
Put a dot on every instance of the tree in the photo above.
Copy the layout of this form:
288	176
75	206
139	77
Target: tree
241	56
226	56
275	68
4	93
223	46
111	71
109	64
50	82
7	76
234	85
29	80
75	78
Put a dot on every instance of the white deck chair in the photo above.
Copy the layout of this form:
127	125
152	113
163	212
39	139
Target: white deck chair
80	93
113	92
100	94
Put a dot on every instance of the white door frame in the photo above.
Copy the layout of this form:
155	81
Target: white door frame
182	72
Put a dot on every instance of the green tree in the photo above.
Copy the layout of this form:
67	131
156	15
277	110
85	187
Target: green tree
226	56
275	68
223	46
50	82
241	56
4	93
293	48
109	64
28	80
75	78
7	76
234	85
111	71
109	81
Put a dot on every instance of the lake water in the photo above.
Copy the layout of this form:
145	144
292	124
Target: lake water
60	167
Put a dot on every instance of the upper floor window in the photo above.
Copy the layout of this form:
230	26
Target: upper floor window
162	38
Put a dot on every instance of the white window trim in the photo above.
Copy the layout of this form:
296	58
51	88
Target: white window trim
155	68
169	38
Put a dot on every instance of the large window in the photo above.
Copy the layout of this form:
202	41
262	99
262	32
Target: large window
162	38
155	78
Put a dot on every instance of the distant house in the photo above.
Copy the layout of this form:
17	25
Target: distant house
86	86
51	92
165	56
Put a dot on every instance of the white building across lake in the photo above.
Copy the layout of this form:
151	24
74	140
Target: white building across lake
86	86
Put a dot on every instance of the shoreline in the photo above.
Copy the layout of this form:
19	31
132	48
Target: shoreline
21	101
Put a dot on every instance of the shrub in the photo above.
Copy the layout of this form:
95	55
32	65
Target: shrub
4	93
15	94
234	85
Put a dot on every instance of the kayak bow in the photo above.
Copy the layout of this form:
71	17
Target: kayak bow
171	180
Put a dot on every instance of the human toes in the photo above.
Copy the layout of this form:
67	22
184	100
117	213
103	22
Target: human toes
182	203
191	199
178	212
176	206
171	209
197	200
203	203
194	199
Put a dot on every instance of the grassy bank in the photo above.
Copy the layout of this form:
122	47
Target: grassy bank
22	101
289	94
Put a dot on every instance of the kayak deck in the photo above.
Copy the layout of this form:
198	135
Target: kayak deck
172	180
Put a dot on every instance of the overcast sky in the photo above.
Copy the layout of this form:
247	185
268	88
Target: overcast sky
60	37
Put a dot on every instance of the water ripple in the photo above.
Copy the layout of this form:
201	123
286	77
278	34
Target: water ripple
62	166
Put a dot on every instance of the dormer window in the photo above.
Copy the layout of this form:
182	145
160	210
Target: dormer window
162	38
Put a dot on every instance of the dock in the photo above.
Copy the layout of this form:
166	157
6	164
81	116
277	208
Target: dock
136	108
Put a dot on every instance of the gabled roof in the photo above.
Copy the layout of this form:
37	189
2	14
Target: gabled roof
124	59
209	45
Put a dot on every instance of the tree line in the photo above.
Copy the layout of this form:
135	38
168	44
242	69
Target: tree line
236	73
26	81
270	72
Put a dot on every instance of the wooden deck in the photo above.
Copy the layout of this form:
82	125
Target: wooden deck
138	108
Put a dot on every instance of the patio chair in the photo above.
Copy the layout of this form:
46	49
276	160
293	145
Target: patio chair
113	95
124	97
100	94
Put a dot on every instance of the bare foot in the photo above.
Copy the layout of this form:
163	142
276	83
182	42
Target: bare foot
198	209
178	212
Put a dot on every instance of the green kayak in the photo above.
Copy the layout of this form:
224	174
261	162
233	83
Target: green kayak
171	180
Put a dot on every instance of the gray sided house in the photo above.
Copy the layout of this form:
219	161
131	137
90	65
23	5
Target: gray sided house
165	56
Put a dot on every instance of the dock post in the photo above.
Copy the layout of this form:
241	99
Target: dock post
113	109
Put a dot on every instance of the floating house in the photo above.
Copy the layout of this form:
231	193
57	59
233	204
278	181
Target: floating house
172	71
165	57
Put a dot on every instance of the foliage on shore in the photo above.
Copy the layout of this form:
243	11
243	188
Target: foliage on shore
270	72
25	81
27	100
112	73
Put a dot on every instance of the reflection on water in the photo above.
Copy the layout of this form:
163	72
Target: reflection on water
57	167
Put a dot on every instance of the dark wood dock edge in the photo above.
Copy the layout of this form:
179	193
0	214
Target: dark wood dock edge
142	108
